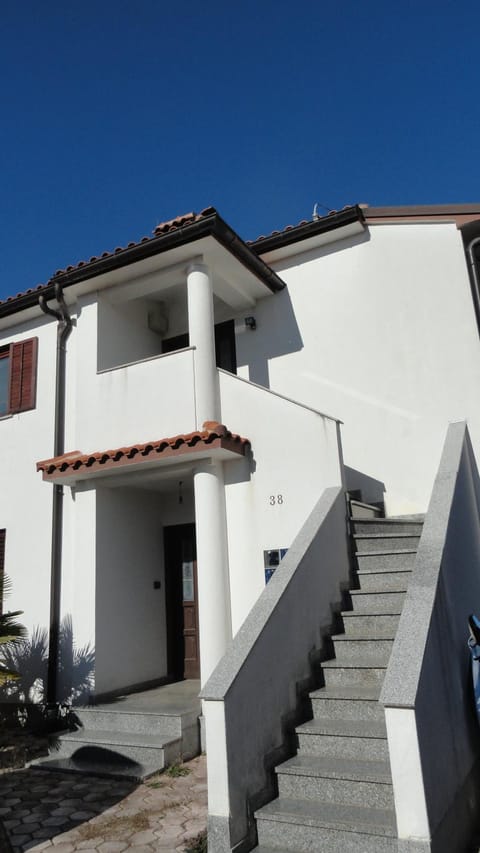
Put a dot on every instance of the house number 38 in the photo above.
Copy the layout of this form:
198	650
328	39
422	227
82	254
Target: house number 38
275	499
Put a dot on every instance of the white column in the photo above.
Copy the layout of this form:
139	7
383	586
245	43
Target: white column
214	617
202	336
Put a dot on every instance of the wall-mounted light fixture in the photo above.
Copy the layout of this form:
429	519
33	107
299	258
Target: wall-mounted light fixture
251	323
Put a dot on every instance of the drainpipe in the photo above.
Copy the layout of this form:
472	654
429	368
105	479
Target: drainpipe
476	282
63	331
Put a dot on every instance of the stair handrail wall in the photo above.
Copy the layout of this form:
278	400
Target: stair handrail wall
251	700
433	737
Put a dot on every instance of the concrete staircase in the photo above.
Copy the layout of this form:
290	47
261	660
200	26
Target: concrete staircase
133	736
336	793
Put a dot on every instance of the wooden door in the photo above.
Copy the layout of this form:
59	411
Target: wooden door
183	649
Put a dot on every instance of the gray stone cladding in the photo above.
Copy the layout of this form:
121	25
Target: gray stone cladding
336	793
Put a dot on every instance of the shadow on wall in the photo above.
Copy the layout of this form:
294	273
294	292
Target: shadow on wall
29	658
279	337
372	490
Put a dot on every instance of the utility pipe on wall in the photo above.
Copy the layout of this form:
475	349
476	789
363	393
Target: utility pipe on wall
476	283
64	328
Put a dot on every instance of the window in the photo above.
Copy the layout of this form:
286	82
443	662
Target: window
18	376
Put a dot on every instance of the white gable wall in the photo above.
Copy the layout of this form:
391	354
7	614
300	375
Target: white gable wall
295	455
25	501
379	331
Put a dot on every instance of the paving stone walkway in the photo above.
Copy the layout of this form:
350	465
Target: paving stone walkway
65	813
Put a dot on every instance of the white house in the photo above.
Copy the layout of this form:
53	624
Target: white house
179	414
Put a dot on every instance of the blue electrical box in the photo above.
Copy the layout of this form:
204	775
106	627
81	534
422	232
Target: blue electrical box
272	559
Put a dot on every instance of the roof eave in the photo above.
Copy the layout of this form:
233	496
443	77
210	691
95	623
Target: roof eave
310	229
210	225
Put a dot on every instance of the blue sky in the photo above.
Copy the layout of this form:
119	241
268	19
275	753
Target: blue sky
118	115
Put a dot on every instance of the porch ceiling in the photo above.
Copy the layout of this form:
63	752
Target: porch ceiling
215	440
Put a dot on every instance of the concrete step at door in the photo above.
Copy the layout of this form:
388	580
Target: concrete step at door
386	561
131	735
391	581
374	625
347	703
386	526
131	756
106	719
335	779
385	542
136	747
361	650
311	827
347	673
377	602
364	739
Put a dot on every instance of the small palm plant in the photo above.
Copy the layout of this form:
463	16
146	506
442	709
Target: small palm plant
10	630
29	658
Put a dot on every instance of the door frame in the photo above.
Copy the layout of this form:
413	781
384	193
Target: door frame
179	541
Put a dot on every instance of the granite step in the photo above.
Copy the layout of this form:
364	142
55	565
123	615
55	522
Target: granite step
377	602
306	826
385	541
351	702
374	625
386	561
347	673
384	581
361	649
386	526
105	718
335	779
345	738
120	768
139	753
360	509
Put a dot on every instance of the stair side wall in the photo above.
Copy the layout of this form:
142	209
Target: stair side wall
251	700
428	679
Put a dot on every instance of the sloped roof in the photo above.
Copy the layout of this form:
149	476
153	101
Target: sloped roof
307	228
214	435
167	235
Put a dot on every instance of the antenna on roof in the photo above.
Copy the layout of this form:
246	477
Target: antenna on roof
315	214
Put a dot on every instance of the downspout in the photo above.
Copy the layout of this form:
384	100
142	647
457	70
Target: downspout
63	331
476	282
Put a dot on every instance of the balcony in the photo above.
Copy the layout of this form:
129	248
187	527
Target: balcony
137	402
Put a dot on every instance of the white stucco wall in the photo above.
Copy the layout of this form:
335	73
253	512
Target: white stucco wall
130	614
145	401
79	563
25	501
379	331
123	334
295	456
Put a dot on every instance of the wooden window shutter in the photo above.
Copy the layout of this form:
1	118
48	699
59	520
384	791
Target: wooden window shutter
2	562
23	375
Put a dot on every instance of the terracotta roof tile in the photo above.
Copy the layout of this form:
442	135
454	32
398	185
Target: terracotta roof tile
182	221
213	433
163	228
300	224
